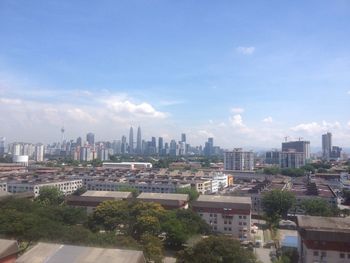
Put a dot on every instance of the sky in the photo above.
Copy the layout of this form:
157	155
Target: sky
247	73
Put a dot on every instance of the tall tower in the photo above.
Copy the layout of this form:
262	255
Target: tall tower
183	137
139	141
326	145
62	134
131	141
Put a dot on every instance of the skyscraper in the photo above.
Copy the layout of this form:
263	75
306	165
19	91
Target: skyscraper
239	160
39	153
131	140
160	146
139	141
183	137
326	145
90	138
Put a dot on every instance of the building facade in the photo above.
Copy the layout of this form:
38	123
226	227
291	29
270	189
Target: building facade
239	160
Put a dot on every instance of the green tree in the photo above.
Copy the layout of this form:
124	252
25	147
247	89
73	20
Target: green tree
50	195
152	248
276	205
146	224
318	207
215	249
272	170
110	215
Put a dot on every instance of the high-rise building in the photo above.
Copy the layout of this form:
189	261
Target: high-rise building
326	145
239	160
298	146
90	138
336	153
39	153
123	145
183	137
131	140
209	147
160	146
272	157
2	146
139	141
173	148
292	159
79	142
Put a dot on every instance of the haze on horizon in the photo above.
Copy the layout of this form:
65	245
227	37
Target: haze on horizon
247	74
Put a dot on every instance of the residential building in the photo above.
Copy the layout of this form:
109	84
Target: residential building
239	160
39	153
91	199
292	159
272	157
297	146
67	186
168	201
53	253
323	239
127	165
226	214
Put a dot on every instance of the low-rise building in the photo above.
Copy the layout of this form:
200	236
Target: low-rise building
91	199
168	201
53	253
226	214
67	186
323	239
128	165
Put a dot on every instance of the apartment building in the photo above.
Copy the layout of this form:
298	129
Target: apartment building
168	201
226	214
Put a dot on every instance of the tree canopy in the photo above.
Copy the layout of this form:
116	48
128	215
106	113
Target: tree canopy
318	207
215	249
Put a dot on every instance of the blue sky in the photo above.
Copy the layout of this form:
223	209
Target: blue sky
246	72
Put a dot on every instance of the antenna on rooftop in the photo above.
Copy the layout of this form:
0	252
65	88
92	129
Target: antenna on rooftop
286	138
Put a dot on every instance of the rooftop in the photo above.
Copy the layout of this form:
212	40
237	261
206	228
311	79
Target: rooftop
317	223
158	196
58	253
8	247
224	199
111	194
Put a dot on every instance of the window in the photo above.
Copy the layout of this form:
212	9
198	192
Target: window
342	255
225	228
211	215
348	256
215	215
229	222
225	222
315	253
244	223
229	229
240	223
240	217
244	217
323	254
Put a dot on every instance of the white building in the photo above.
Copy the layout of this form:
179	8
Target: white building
239	160
226	214
218	181
20	159
128	165
66	186
39	153
323	239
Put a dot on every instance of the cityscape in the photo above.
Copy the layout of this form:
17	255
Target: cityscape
165	131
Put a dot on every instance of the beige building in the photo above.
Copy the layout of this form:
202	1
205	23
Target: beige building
226	214
168	201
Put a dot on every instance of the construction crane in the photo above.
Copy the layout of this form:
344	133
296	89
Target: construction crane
300	138
286	138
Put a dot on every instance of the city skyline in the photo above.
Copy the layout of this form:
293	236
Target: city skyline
237	72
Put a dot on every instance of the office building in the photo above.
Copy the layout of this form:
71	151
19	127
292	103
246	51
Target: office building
229	215
326	145
90	138
131	140
160	146
239	160
2	146
323	239
335	153
139	141
183	137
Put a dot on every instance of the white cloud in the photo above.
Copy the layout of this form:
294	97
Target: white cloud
348	92
80	115
237	110
10	101
128	108
205	134
236	121
314	127
171	102
245	50
268	119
